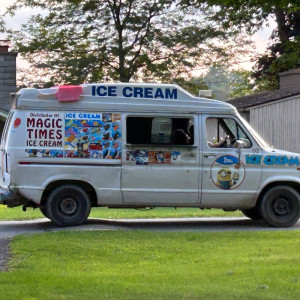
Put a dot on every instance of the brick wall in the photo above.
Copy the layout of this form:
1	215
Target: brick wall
7	78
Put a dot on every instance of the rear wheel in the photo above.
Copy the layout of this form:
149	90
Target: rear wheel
44	211
68	205
252	213
280	206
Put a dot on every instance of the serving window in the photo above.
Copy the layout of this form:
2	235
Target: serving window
159	131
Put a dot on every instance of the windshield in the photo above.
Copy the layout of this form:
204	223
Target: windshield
260	140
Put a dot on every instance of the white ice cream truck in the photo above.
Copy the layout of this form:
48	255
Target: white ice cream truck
67	149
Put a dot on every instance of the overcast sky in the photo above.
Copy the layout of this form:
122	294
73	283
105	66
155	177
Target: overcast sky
260	38
20	18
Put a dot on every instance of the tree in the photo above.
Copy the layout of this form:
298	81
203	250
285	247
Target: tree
250	16
2	24
91	40
218	79
192	85
226	83
243	84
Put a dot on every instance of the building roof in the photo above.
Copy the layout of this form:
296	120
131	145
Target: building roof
243	103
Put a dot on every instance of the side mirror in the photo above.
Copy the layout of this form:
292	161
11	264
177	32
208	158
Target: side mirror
239	144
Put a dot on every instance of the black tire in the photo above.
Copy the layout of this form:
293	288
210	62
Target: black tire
68	205
280	206
252	213
43	210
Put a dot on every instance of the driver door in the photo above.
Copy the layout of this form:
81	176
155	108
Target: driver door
227	178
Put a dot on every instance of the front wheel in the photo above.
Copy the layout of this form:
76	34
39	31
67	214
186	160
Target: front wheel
68	205
280	206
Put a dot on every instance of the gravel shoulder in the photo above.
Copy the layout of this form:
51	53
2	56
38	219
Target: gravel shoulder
4	254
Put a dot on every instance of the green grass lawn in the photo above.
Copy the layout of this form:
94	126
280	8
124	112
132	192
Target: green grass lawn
18	214
153	265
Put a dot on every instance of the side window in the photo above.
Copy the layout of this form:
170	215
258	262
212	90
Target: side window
159	131
224	133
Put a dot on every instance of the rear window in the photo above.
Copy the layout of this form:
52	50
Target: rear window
6	127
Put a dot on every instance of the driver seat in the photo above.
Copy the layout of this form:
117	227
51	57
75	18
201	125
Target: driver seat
179	137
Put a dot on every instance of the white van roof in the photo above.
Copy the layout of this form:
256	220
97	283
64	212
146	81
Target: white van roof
131	97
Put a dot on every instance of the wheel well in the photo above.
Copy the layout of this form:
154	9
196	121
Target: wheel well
292	184
84	185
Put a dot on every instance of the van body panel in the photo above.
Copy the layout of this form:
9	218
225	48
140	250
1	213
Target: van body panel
31	193
173	180
123	139
5	155
279	166
105	180
32	165
239	187
278	179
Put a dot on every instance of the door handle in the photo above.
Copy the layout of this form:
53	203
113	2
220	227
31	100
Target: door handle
210	155
190	154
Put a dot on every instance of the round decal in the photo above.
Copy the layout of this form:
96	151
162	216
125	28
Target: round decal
17	122
227	172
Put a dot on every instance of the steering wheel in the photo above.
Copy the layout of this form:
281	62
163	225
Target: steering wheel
233	140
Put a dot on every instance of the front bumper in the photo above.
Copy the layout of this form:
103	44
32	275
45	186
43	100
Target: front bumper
10	198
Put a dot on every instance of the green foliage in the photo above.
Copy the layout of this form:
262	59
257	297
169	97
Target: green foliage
226	83
154	265
246	85
90	40
243	85
250	16
278	58
191	85
219	79
2	24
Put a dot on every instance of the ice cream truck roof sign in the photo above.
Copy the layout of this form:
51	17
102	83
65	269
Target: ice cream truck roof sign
159	92
134	92
127	96
72	92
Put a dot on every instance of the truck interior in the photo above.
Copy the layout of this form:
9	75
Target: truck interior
159	131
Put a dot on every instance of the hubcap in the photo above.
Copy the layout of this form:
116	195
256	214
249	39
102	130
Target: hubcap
68	206
281	206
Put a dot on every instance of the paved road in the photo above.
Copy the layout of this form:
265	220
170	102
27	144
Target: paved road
9	229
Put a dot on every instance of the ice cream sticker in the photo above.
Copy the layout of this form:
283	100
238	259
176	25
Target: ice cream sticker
73	135
227	172
145	157
43	130
43	153
93	136
271	160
